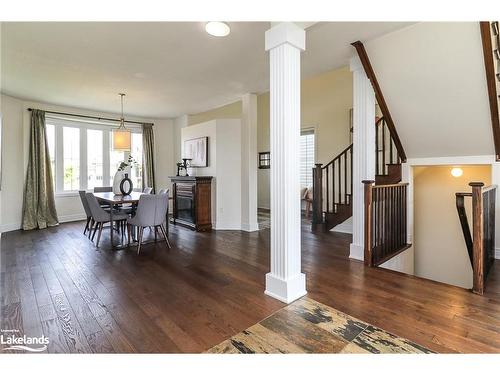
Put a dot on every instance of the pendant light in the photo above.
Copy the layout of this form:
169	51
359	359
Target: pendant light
121	135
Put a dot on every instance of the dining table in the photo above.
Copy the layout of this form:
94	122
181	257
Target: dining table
115	200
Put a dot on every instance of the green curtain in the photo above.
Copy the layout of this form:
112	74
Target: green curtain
148	149
39	210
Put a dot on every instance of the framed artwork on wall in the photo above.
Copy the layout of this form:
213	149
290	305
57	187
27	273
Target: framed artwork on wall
196	149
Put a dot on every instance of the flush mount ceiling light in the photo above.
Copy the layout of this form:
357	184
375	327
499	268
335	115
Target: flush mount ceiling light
457	172
216	28
121	135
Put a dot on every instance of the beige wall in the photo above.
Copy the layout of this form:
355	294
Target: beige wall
230	111
325	103
440	251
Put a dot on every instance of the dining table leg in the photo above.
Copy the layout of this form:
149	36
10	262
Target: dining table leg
111	225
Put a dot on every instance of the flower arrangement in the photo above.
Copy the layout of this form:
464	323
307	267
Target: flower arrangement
131	162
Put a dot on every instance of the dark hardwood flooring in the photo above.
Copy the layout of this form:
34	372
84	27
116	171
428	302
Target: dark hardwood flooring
209	287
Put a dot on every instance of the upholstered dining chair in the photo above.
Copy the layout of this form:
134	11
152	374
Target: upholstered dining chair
102	216
151	212
147	190
165	191
86	208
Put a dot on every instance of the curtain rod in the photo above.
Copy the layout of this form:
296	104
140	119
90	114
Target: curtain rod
96	118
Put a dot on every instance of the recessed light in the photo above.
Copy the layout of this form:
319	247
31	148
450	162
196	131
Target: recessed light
457	172
216	28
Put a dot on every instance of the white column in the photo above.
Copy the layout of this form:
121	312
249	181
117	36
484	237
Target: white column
249	163
284	42
363	151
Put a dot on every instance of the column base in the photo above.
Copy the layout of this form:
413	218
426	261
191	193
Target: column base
357	252
286	290
252	227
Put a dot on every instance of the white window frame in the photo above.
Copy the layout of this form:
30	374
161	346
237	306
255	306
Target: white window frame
59	123
313	130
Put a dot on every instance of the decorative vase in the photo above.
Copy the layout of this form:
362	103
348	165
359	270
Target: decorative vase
116	182
126	185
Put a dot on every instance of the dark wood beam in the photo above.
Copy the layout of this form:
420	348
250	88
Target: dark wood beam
365	61
489	69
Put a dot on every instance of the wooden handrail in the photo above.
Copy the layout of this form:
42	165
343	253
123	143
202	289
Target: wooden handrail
489	68
365	61
338	156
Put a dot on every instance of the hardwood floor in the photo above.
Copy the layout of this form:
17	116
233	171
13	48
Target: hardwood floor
209	287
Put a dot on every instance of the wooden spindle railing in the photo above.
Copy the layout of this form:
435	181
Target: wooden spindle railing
386	152
481	244
332	187
385	222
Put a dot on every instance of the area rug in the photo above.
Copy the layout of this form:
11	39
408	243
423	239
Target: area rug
307	326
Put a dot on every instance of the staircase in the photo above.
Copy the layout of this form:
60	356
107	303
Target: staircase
332	182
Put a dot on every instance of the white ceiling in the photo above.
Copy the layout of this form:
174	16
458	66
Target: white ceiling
166	68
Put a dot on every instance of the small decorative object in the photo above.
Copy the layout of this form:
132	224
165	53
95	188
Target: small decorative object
123	172
126	185
197	151
182	168
265	160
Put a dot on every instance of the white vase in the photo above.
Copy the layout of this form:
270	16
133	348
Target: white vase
116	182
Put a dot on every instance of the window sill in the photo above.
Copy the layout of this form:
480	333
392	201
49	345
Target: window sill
66	194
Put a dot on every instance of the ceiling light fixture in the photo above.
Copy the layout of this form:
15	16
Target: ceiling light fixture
457	172
216	28
121	135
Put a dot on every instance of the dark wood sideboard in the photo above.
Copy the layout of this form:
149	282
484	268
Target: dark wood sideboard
192	202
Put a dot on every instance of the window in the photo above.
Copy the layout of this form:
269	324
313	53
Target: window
306	157
82	158
71	163
95	172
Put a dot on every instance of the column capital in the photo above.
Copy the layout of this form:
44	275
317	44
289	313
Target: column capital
286	32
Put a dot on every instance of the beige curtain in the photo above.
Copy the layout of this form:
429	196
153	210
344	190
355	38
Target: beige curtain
39	210
148	166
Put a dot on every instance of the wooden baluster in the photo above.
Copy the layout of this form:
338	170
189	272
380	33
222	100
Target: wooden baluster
333	186
477	238
317	218
383	148
345	178
377	153
340	182
368	223
350	160
327	189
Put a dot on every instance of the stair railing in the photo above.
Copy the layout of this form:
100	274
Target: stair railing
481	244
386	151
332	186
386	225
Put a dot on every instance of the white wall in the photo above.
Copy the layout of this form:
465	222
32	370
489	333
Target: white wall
432	76
16	126
224	164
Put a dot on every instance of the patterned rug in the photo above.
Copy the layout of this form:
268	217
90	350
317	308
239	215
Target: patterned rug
307	326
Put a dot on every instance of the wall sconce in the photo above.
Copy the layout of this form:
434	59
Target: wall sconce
457	172
265	160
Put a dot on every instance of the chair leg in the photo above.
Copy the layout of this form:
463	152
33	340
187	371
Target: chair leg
91	227
156	232
95	230
100	225
128	234
141	230
86	225
165	235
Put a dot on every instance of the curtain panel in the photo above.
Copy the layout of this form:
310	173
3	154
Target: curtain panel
39	210
148	144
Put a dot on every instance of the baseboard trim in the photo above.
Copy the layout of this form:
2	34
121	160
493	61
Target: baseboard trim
250	227
62	219
227	226
357	252
497	253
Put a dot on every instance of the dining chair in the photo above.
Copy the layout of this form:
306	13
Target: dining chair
151	212
147	190
165	191
102	216
86	208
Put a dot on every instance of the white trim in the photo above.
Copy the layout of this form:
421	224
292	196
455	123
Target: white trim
357	252
497	253
9	227
285	32
344	227
73	217
253	227
227	226
288	290
451	160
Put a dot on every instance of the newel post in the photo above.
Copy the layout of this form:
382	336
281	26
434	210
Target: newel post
477	238
368	246
317	218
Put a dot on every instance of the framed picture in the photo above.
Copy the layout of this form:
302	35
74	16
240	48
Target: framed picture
264	160
196	149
